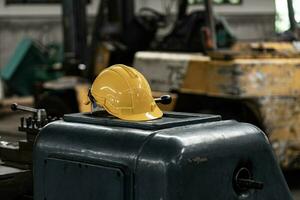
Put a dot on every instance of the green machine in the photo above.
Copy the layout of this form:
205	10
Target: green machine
31	64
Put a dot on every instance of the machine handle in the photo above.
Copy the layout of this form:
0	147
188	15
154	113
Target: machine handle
249	184
244	181
15	107
41	114
165	99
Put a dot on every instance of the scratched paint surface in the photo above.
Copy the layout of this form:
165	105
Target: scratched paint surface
244	78
165	71
281	118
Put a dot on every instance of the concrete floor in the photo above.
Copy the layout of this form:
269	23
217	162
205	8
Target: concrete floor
9	131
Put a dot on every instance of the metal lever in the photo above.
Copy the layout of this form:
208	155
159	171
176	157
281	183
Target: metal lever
244	181
41	114
165	99
249	184
15	107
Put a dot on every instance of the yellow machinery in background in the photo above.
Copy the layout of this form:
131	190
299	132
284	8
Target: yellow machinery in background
253	82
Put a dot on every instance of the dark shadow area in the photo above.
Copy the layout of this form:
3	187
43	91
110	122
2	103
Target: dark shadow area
293	179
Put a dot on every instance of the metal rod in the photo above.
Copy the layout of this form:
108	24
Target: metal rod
165	99
16	107
250	184
75	35
95	38
182	7
211	22
292	15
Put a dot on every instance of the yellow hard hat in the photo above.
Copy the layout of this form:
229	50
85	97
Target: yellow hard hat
125	93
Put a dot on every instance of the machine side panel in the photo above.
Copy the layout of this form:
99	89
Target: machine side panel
89	145
202	162
89	183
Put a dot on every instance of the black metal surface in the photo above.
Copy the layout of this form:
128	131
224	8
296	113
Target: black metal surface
15	184
162	159
16	181
61	184
169	120
182	8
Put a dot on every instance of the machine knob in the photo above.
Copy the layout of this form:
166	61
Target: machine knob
165	99
15	107
244	182
249	184
41	114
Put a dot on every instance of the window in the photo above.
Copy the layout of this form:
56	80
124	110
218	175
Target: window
218	2
282	14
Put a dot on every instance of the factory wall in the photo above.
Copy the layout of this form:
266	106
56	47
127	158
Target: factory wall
41	22
253	20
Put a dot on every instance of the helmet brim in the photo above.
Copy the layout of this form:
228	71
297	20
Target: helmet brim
155	114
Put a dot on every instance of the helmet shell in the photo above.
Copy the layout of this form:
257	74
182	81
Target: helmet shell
125	93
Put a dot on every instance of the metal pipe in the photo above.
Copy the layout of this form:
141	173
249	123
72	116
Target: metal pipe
165	99
41	114
211	22
292	15
95	39
15	107
182	7
74	34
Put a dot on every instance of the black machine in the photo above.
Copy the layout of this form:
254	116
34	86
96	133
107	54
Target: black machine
16	157
179	157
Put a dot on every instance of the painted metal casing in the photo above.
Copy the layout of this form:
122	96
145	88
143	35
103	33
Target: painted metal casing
178	157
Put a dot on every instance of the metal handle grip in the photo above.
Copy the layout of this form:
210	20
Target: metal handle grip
15	107
250	184
165	99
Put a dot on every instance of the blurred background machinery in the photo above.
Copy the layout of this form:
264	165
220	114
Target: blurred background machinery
231	63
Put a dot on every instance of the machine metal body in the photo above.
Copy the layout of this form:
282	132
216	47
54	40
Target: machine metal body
180	156
16	180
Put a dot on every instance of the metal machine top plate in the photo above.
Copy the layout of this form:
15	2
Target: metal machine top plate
169	120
